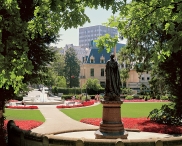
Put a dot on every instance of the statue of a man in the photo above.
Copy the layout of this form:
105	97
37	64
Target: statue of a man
113	82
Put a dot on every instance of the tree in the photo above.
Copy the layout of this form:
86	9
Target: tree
126	62
170	71
56	71
157	84
153	30
124	75
92	85
72	68
27	28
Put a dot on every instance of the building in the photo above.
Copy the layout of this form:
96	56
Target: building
93	65
81	52
135	80
87	34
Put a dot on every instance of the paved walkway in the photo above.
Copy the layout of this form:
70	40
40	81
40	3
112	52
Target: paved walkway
58	122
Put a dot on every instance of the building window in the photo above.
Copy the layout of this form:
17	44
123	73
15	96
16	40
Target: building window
102	72
143	78
92	72
92	59
102	59
148	78
102	84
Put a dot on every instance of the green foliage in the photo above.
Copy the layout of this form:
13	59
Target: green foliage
165	115
125	59
72	68
157	84
171	71
143	89
129	97
66	91
164	97
55	74
27	29
126	91
92	86
124	75
25	36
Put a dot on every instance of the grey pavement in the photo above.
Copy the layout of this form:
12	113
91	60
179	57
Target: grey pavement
57	123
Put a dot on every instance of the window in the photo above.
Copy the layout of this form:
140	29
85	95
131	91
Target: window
148	78
91	61
92	72
102	72
102	59
143	78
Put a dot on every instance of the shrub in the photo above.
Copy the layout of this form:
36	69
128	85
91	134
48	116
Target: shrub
165	115
66	97
164	98
129	97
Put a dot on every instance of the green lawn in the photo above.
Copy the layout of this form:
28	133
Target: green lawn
127	110
132	110
14	114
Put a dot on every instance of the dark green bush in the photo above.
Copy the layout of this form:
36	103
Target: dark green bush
165	115
75	91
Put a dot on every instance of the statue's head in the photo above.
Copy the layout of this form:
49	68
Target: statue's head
112	55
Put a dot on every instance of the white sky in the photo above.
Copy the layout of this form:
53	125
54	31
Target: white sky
71	36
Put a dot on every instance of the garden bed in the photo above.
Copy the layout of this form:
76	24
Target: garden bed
142	124
23	107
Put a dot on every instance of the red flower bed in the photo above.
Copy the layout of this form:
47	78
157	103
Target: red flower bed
23	107
88	103
143	124
25	124
85	103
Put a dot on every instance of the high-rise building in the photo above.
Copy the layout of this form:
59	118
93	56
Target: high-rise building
87	34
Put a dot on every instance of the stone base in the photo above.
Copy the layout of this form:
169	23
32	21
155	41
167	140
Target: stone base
111	135
111	126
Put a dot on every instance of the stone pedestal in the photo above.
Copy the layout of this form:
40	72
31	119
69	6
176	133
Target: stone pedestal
111	126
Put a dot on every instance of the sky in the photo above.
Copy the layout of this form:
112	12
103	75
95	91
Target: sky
71	36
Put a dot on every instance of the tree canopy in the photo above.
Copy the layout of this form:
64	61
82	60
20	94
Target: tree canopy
72	68
27	27
153	32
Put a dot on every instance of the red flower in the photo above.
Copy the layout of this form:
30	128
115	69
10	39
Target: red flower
25	124
143	124
23	107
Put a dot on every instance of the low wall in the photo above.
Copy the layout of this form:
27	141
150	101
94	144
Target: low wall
19	137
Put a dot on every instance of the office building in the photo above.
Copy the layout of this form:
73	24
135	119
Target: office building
87	34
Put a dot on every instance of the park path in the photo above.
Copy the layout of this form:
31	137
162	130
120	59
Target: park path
57	122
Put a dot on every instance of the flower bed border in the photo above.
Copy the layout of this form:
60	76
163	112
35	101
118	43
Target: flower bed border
23	107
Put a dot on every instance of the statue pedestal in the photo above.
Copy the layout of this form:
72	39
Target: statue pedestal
111	126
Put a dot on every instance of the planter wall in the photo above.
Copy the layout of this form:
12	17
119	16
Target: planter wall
19	137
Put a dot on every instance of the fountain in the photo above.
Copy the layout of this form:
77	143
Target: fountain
37	96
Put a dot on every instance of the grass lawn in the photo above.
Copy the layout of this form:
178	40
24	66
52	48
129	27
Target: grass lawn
129	110
15	114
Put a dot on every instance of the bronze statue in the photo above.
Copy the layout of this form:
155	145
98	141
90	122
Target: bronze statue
113	82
